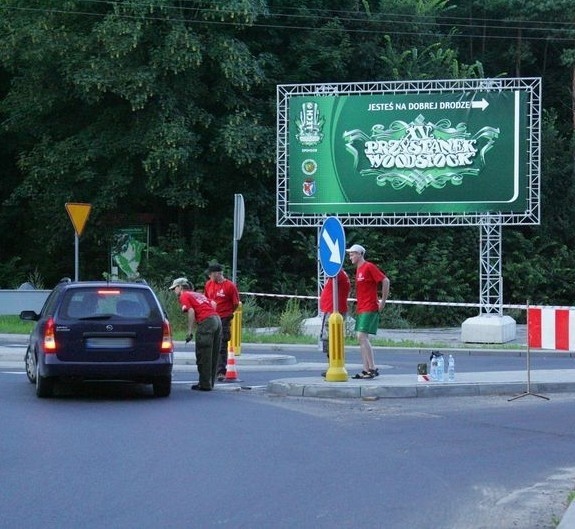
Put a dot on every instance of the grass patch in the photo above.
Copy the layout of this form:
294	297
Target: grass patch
14	325
250	336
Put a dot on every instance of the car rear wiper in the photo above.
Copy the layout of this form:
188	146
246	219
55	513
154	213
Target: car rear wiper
97	317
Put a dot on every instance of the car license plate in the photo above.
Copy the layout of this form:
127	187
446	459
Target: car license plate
112	342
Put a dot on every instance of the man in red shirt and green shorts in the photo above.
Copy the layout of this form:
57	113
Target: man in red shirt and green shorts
367	278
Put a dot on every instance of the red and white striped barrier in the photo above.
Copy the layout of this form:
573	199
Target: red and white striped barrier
551	328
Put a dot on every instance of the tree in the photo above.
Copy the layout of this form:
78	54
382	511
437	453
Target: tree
117	105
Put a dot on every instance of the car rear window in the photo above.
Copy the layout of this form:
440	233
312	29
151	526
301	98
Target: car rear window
96	302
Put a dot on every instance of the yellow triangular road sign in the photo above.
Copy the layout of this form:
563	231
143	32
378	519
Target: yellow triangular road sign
78	214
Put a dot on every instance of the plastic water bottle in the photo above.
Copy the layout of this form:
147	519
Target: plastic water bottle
440	369
433	368
451	369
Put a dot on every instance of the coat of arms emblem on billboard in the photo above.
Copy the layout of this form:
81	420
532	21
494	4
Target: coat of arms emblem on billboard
309	125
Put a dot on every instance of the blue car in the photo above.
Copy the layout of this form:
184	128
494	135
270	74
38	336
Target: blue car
90	330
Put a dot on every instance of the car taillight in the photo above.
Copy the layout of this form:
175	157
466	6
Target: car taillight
50	337
167	344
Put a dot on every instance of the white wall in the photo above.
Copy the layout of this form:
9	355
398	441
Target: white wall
15	301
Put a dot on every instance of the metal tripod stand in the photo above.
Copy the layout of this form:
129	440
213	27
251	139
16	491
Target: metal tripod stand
528	391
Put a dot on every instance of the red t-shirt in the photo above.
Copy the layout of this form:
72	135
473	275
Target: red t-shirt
225	294
199	303
367	277
343	288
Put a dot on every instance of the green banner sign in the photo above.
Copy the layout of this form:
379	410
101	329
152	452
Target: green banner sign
127	252
421	153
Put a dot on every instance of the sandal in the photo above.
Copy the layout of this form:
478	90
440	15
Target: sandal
365	375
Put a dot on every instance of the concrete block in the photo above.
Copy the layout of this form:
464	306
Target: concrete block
312	326
488	329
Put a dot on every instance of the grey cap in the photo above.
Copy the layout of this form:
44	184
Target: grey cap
180	282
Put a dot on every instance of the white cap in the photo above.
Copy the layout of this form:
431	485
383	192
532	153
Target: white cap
356	248
180	282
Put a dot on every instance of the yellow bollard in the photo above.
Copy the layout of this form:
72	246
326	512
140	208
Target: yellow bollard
336	371
236	335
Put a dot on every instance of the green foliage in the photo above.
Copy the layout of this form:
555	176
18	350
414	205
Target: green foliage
558	195
291	318
36	280
425	265
254	315
544	277
11	274
168	260
392	317
169	301
431	62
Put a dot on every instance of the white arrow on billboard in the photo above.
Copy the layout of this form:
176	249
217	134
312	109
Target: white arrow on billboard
333	246
480	104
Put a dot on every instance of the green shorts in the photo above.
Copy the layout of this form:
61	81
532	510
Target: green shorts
367	322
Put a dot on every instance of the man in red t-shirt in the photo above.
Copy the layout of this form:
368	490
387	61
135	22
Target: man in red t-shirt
326	303
367	278
204	320
227	298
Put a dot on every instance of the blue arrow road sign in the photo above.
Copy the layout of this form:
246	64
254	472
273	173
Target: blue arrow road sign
331	246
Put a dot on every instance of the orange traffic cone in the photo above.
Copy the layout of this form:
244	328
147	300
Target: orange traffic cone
231	372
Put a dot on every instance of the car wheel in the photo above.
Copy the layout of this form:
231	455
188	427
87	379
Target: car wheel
30	361
162	386
44	385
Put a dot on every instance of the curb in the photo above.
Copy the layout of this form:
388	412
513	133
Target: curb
319	388
568	519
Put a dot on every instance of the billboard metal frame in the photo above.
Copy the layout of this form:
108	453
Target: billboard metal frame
531	215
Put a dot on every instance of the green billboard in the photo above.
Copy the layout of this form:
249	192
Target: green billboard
454	151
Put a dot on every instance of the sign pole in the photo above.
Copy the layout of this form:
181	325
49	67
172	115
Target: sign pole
234	261
76	256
